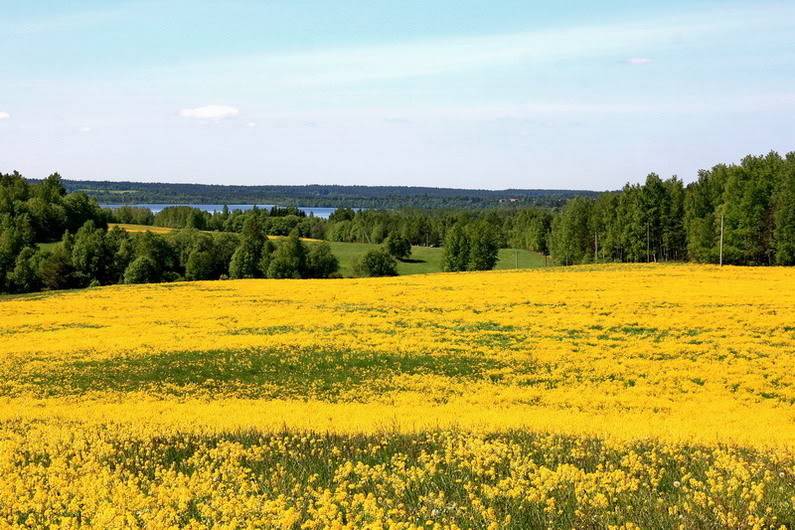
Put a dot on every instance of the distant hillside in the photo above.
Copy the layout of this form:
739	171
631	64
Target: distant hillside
318	195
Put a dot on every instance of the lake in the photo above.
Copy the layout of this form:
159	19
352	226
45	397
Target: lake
320	212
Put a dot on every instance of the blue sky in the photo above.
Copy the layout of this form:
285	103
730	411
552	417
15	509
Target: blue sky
466	93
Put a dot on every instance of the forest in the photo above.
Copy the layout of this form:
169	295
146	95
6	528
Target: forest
742	214
752	204
333	196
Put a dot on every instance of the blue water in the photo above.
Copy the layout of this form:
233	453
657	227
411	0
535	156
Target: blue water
322	213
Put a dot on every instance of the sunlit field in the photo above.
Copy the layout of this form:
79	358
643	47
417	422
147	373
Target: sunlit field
625	396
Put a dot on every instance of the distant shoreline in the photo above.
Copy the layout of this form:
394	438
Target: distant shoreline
317	211
319	196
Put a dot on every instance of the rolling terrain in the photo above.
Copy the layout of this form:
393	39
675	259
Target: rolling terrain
635	396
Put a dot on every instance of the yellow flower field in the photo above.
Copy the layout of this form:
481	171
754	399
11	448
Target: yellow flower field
618	396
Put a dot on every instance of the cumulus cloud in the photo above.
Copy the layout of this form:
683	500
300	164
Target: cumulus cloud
639	61
210	112
4	116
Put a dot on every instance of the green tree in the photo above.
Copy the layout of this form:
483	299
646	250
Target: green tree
55	268
398	246
79	208
117	255
376	262
483	246
245	262
266	254
157	248
320	261
89	258
48	218
200	266
24	277
571	238
784	215
289	258
456	250
142	269
702	220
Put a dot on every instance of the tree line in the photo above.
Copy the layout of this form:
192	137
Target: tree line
95	256
334	196
277	221
742	214
51	239
747	210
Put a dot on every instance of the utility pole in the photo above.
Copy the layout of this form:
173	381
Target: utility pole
648	236
595	247
721	239
516	256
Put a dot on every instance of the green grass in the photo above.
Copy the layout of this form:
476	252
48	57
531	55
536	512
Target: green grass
252	373
447	478
49	246
425	260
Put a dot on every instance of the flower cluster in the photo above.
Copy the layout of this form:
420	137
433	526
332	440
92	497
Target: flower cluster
125	476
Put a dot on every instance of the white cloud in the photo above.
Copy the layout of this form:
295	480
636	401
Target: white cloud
210	112
639	61
5	116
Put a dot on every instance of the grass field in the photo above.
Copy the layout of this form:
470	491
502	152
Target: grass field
422	261
642	396
425	260
134	229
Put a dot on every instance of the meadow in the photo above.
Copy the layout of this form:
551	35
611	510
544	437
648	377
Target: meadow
612	396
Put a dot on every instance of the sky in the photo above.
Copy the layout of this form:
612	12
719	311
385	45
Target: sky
451	93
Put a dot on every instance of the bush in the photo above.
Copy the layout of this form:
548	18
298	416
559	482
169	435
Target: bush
377	262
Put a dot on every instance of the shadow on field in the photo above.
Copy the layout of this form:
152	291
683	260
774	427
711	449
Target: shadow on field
252	373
